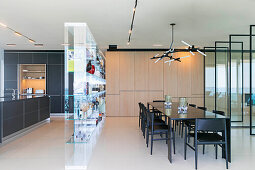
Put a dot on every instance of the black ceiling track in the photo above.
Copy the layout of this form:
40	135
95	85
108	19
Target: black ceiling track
132	22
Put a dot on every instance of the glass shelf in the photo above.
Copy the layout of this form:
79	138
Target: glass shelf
89	115
93	79
84	131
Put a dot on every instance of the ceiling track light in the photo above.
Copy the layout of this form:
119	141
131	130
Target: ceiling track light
38	45
3	25
30	40
11	45
132	24
17	33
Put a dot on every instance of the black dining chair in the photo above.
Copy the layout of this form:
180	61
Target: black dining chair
140	113
156	129
219	112
202	108
157	121
208	132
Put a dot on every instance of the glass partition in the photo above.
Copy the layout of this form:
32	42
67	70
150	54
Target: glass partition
252	91
240	97
1	72
209	73
222	78
236	81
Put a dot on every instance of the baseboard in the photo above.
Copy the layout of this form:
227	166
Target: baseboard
23	132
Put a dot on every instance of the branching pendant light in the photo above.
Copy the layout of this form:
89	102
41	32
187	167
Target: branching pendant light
171	51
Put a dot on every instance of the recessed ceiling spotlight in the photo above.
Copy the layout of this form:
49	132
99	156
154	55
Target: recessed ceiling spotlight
65	44
18	34
32	41
3	25
11	45
157	45
38	45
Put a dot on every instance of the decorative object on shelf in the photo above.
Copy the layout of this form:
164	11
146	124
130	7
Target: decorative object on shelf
171	51
90	68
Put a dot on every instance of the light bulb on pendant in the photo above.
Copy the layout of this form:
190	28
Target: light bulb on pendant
30	40
18	34
3	25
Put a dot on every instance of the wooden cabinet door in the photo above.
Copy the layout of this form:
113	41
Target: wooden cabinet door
141	71
127	103
112	105
171	78
112	72
155	72
127	70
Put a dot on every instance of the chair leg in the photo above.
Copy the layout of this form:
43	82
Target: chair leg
226	153
216	151
203	149
173	141
147	138
196	155
151	142
182	129
166	137
185	143
188	135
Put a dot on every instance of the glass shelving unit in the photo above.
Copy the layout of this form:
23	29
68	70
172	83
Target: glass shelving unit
84	94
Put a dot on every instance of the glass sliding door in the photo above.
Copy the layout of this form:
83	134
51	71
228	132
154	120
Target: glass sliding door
236	81
240	80
222	78
235	78
209	78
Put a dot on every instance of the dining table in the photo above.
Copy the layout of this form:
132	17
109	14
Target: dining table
173	112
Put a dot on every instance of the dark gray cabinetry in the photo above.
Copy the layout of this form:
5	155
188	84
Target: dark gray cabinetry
54	60
18	114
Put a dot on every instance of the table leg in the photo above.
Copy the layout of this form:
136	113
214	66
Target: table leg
228	124
170	140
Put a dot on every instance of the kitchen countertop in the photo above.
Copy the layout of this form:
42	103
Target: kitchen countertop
7	99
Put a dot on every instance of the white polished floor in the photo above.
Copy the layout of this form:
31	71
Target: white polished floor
120	147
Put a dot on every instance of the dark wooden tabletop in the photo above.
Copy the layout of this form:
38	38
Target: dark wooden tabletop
192	112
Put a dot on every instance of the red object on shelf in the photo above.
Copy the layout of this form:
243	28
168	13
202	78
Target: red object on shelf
92	70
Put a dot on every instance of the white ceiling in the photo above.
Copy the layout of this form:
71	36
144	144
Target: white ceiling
199	22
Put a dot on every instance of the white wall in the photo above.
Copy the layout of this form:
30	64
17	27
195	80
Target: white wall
1	72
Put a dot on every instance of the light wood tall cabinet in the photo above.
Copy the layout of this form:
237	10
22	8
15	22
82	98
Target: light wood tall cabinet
133	77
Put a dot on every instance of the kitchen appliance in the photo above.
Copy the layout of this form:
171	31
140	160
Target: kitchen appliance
29	90
39	91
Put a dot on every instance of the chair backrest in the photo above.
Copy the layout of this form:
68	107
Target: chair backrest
213	125
219	112
158	100
149	116
140	108
192	105
202	108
